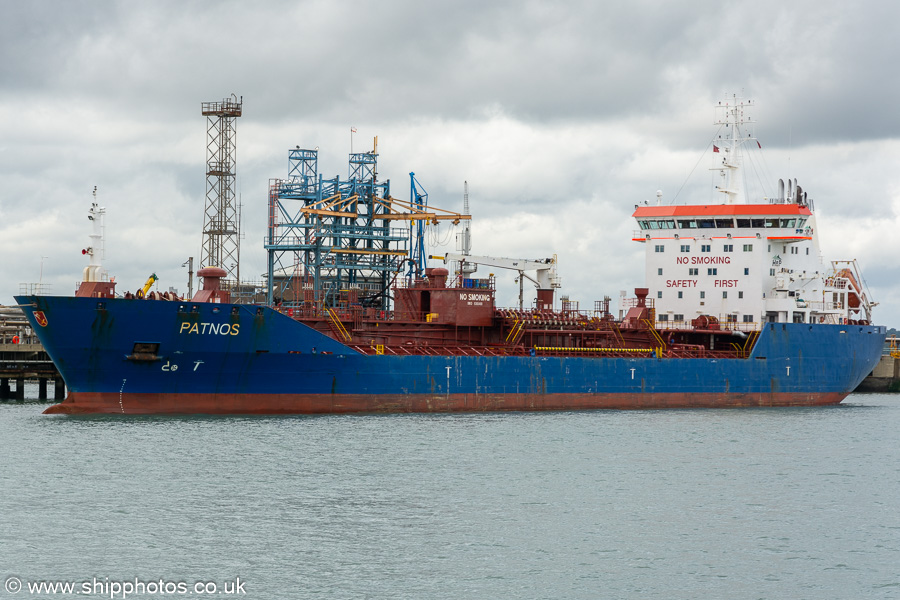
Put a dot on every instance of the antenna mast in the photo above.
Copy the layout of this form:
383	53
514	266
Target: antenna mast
464	240
737	124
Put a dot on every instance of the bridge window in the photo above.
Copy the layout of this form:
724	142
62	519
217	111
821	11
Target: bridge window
687	224
706	223
745	223
725	223
758	223
789	223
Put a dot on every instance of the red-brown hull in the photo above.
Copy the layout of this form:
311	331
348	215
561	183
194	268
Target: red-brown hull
139	404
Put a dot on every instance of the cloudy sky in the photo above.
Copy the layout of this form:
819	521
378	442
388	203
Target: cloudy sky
561	117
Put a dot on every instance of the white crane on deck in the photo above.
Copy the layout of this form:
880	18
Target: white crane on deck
546	279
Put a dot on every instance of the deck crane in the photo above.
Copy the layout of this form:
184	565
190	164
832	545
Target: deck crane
545	276
142	293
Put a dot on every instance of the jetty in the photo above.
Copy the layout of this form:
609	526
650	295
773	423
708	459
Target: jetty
23	358
885	377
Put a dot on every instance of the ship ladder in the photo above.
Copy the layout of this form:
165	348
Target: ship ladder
619	337
657	337
744	351
516	333
751	341
336	325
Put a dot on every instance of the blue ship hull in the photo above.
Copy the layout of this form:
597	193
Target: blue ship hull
140	357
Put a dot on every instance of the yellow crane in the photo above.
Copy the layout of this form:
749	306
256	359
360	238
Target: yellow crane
142	293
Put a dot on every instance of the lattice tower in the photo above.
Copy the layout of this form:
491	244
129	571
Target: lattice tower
221	223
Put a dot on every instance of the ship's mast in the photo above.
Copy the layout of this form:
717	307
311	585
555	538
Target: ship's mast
732	117
466	235
464	269
95	251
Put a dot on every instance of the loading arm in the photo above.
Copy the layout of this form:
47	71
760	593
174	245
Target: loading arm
545	277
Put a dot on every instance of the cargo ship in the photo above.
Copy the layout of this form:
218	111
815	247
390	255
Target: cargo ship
739	309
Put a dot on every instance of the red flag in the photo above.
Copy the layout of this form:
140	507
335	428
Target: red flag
715	148
758	144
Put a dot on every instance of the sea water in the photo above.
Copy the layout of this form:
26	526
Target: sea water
738	503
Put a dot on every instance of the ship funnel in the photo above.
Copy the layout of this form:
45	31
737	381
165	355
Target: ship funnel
790	190
781	190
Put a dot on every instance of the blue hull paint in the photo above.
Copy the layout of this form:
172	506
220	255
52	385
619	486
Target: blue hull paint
241	355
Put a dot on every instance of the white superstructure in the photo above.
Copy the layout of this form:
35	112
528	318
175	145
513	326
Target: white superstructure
741	262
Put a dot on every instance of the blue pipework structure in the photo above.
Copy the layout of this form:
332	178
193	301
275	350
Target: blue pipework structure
328	236
418	198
